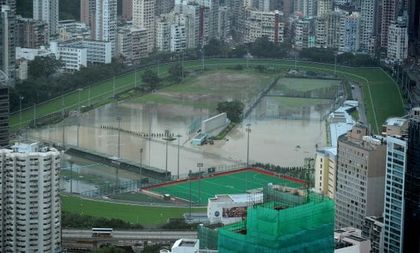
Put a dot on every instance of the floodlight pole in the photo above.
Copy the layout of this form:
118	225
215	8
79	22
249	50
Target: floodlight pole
35	114
20	110
248	130
189	179
199	165
335	64
167	138
113	87
178	136
71	177
119	137
141	166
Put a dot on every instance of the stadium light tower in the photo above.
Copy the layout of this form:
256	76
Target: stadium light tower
167	138
199	165
178	136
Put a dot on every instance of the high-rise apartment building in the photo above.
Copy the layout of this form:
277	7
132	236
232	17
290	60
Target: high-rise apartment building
144	17
47	11
309	8
31	33
396	162
171	32
106	22
259	24
360	177
388	14
414	26
325	172
324	7
4	111
88	15
164	6
397	48
349	33
7	39
196	23
132	44
127	9
30	217
367	26
412	186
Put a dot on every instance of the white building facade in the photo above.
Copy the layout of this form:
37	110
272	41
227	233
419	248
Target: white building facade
30	204
106	22
397	49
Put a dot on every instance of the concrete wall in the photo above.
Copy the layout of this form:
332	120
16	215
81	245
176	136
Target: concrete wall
213	123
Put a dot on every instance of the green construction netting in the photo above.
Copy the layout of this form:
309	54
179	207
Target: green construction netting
269	228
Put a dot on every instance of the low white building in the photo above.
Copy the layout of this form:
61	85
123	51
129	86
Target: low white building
231	208
30	53
72	58
98	52
186	246
350	240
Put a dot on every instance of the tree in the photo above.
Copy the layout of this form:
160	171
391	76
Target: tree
215	47
150	79
176	72
234	110
43	66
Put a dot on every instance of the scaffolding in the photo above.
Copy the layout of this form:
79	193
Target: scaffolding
288	222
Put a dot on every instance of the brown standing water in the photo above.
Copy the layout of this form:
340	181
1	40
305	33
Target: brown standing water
279	135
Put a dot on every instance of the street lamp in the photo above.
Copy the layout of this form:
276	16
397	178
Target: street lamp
248	130
178	136
167	138
20	110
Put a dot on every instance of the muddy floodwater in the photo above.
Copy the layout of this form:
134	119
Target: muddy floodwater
279	135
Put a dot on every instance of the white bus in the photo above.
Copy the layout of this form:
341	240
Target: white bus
101	232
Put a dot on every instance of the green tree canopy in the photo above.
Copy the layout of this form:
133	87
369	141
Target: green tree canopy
150	79
176	72
234	109
43	66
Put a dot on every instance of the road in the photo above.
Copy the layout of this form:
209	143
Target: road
119	235
357	95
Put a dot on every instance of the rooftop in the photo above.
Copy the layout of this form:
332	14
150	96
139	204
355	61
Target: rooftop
395	122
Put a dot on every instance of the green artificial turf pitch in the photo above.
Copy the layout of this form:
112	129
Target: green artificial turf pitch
233	183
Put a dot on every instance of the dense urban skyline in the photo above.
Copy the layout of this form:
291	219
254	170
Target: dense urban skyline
259	112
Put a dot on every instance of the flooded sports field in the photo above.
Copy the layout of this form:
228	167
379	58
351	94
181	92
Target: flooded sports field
286	125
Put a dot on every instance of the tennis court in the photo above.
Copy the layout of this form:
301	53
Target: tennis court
225	183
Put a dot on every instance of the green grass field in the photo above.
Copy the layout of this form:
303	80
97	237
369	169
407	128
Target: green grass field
144	215
304	84
138	197
298	102
239	182
205	90
382	97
